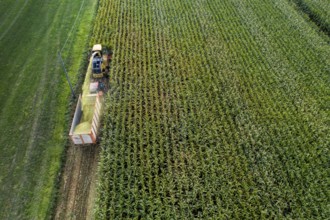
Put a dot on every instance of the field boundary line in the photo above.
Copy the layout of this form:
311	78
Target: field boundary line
313	17
74	24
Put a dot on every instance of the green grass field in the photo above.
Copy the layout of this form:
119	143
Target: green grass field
34	98
217	110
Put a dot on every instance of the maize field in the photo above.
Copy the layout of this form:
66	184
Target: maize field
216	110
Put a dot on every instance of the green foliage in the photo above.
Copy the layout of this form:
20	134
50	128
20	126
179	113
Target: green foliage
318	12
217	110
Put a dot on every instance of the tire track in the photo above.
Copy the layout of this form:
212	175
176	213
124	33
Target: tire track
14	20
78	183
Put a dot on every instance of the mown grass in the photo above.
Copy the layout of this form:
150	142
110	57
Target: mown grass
34	99
217	110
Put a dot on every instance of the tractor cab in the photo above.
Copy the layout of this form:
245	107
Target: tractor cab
96	65
100	61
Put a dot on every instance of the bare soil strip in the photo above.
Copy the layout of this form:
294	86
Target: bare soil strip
77	187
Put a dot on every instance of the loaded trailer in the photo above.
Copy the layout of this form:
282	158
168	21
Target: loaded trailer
86	121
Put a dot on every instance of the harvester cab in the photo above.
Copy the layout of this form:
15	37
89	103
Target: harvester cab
100	61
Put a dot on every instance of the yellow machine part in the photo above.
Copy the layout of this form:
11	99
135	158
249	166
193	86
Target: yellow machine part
98	75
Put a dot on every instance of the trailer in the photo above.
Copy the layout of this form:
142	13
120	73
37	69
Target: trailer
86	121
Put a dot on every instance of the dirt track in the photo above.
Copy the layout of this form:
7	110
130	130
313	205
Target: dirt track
77	189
